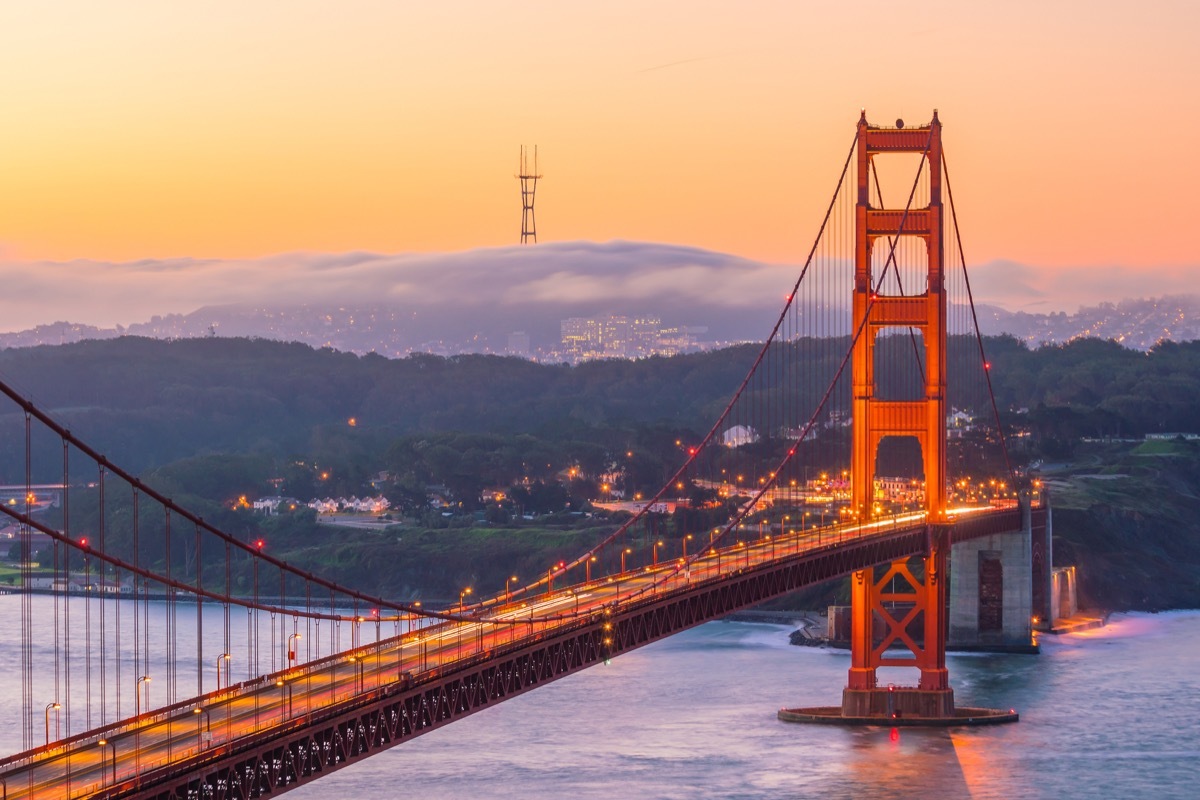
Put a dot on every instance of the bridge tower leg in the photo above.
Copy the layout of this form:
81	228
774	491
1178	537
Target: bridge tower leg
919	595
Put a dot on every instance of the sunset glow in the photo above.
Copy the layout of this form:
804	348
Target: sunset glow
232	130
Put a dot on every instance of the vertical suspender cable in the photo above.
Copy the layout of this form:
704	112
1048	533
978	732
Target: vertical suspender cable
975	321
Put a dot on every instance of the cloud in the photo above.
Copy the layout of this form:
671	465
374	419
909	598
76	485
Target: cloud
567	277
569	274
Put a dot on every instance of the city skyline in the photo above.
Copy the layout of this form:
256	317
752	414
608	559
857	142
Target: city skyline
305	129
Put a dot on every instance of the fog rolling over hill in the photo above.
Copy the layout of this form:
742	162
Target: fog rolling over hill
472	301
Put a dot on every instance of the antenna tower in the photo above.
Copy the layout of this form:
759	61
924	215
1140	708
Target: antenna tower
528	191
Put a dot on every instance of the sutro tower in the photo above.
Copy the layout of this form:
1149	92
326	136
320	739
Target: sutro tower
528	191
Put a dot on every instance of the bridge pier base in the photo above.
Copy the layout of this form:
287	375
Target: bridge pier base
896	701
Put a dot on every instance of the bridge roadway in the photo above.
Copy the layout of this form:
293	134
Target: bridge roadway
225	744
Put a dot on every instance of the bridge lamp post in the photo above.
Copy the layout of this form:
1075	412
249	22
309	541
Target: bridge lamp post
654	553
291	650
55	706
224	658
197	711
102	743
358	672
685	541
587	577
281	683
624	553
462	597
137	695
507	591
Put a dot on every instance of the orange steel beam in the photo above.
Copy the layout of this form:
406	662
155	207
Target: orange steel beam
924	419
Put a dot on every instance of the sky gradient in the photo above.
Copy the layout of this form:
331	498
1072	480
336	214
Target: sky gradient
138	129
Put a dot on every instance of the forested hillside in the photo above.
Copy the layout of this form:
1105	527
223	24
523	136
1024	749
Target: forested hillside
209	420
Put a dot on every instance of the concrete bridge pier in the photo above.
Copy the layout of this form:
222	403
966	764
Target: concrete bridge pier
993	587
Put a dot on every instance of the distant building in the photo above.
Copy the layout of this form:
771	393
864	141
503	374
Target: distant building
585	339
739	436
518	344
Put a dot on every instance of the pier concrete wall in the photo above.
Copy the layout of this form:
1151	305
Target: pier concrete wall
991	590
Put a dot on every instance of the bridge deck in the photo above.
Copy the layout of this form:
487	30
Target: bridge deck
284	729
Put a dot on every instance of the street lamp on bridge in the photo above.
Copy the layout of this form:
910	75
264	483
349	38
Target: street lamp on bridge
507	593
461	597
654	552
358	673
291	650
624	553
197	710
113	744
55	706
281	683
224	658
137	695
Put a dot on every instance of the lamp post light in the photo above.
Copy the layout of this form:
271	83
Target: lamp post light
291	650
685	541
207	736
113	744
358	672
281	683
654	552
461	597
507	592
55	706
587	577
624	553
137	695
223	658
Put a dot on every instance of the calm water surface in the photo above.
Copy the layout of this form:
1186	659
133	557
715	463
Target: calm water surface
1107	713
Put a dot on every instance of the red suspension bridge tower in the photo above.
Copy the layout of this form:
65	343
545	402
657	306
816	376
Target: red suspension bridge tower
876	598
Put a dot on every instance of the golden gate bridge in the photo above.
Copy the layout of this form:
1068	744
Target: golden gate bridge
170	658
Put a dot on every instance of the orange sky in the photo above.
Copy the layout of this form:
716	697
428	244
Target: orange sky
146	129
